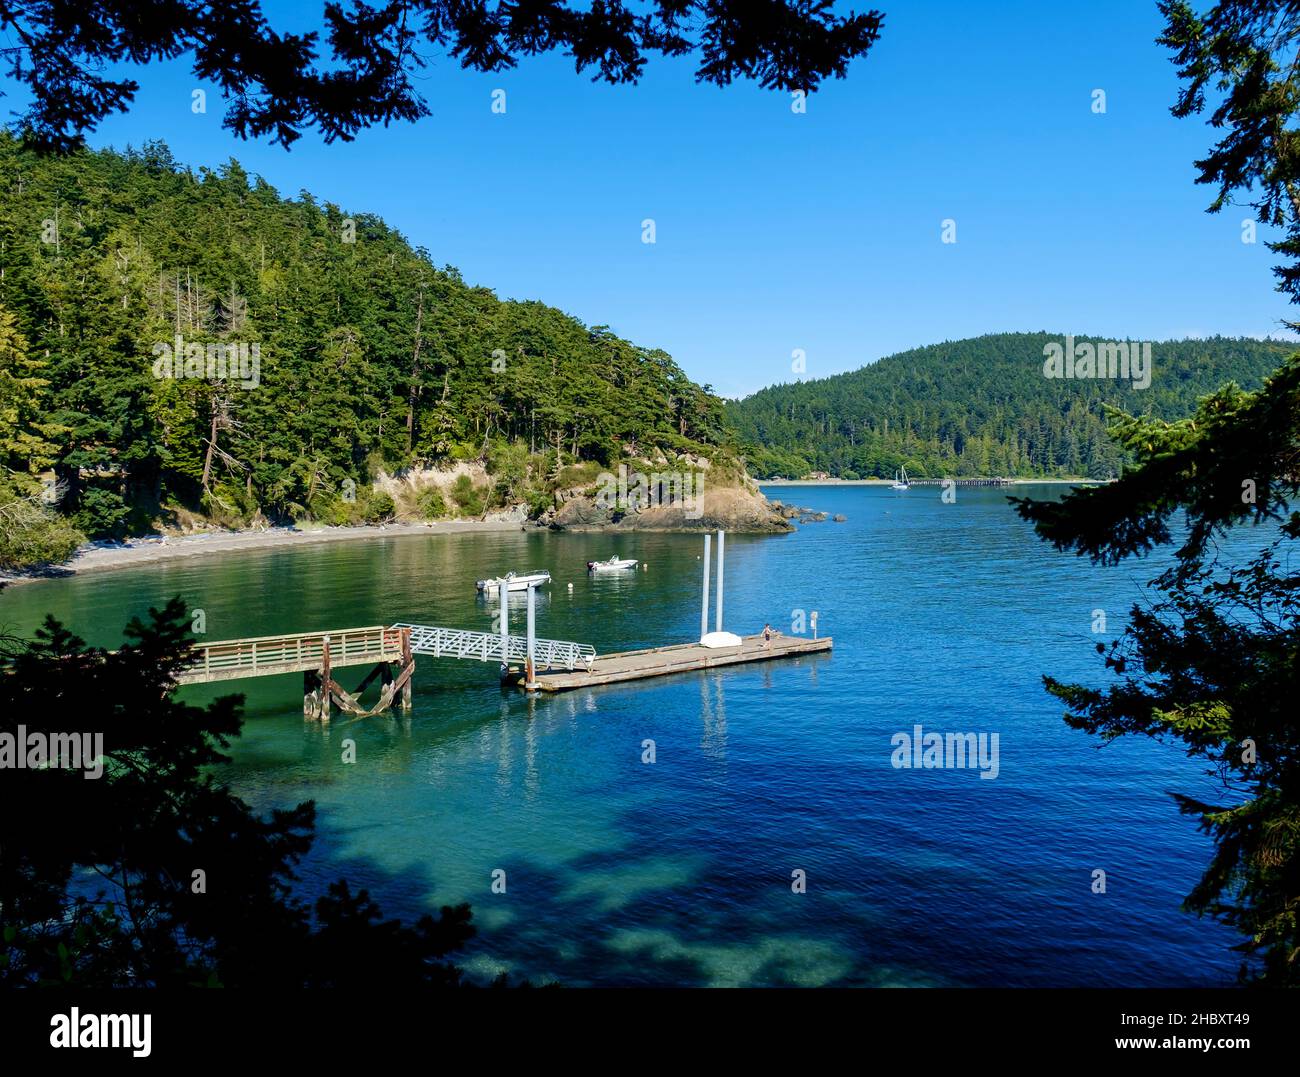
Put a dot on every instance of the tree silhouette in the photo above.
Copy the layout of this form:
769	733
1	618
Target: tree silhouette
97	877
1214	665
278	83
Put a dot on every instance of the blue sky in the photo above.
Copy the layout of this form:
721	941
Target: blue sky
822	232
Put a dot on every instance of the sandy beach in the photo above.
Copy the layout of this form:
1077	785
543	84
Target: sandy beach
98	557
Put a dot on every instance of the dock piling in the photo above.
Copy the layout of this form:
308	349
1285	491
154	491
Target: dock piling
721	538
530	680
310	692
503	591
408	668
704	608
323	711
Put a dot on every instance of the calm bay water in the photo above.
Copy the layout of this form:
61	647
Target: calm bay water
679	872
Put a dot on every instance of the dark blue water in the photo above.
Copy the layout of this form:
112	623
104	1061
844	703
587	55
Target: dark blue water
680	872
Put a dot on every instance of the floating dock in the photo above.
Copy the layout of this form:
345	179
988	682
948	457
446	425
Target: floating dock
681	658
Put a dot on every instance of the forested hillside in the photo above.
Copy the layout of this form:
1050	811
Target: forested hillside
978	407
368	354
369	357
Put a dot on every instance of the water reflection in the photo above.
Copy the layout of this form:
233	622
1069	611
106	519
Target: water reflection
678	873
713	716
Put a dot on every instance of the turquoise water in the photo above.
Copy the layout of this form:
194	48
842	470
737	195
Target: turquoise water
680	871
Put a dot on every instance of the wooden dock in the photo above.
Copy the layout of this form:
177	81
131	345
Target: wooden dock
680	658
390	651
265	656
315	655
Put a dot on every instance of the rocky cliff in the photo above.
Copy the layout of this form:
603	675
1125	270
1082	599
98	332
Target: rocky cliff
740	508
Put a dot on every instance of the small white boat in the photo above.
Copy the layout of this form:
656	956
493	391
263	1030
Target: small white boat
900	480
515	581
614	564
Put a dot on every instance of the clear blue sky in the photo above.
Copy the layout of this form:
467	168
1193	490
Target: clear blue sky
779	231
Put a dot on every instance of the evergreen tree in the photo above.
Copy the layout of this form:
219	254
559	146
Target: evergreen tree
26	442
1214	663
933	408
370	355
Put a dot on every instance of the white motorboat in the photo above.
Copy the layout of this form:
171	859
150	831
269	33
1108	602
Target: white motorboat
614	564
900	480
515	581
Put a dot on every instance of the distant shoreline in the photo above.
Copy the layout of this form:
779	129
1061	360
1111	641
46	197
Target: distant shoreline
154	551
151	551
890	482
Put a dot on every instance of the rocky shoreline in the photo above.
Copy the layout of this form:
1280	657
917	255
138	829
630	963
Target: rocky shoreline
805	515
734	508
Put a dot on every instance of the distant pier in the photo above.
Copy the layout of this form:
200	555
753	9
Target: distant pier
961	482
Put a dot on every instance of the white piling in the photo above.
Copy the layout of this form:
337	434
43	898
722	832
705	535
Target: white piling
704	609
721	537
529	681
503	590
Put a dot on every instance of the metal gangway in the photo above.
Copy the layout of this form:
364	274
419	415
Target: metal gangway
491	647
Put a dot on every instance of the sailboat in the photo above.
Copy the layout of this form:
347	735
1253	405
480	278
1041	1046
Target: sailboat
900	480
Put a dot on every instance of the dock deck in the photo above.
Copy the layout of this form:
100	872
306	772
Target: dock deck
679	658
299	652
